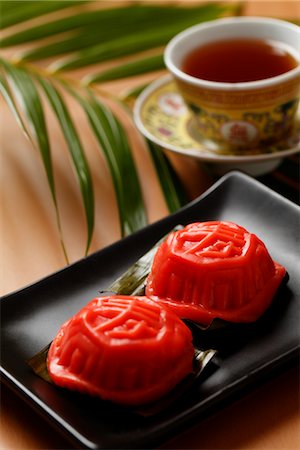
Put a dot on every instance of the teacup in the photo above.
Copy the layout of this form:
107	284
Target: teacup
238	115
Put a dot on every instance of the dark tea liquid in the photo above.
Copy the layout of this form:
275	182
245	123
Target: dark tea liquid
239	60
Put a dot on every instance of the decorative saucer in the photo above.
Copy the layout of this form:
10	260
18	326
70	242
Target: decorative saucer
162	117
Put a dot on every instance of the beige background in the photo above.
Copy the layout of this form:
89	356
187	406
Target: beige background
266	418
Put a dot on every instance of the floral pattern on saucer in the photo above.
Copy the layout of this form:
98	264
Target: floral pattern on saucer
163	117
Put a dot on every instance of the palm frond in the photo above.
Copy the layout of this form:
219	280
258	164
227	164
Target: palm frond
137	67
25	91
134	40
76	151
9	98
14	12
96	23
114	145
84	33
106	24
30	102
171	186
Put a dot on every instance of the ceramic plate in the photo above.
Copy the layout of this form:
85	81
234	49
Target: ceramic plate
31	318
161	115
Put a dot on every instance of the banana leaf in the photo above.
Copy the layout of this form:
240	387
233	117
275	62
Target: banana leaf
38	364
202	367
132	282
208	341
202	360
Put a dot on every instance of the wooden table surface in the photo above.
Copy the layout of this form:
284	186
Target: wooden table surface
265	418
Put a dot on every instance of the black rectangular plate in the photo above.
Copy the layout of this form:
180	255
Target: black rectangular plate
31	318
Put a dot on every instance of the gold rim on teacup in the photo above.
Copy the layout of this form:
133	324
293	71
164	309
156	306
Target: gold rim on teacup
238	115
162	117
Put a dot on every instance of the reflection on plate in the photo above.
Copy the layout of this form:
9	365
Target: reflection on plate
161	115
32	317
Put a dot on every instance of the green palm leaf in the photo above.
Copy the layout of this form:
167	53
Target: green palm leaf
88	27
171	186
25	90
14	12
8	96
115	147
76	151
136	67
173	190
85	33
97	23
135	40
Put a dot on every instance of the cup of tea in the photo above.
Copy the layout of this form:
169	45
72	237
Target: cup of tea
240	77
